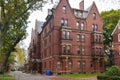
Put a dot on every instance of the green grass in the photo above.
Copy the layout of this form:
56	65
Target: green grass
78	75
6	76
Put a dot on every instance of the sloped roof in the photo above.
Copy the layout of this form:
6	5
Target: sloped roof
86	12
118	25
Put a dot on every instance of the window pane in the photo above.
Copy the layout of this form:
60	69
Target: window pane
78	50
78	37
68	48
64	9
78	64
62	22
64	49
66	23
94	15
82	26
70	64
68	35
83	38
58	64
77	25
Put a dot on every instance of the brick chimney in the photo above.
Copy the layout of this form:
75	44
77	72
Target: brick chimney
81	5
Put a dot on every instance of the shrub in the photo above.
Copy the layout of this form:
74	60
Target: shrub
113	71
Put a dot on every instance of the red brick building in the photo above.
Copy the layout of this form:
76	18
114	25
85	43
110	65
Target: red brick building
116	44
34	56
72	39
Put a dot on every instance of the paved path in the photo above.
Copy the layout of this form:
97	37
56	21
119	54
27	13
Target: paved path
18	75
23	76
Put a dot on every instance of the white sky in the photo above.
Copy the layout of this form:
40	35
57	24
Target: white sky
102	5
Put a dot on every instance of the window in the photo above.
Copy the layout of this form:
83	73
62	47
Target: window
119	37
93	27
77	25
69	48
83	38
64	34
94	15
83	64
70	64
62	22
58	64
64	9
78	51
82	26
66	23
78	64
97	38
83	50
96	27
75	13
78	37
119	50
64	48
96	51
68	35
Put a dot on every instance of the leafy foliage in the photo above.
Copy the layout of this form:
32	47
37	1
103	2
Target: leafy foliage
110	20
14	15
112	73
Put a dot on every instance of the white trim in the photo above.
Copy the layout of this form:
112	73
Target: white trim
118	25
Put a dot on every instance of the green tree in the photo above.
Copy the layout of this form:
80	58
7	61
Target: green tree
14	15
110	20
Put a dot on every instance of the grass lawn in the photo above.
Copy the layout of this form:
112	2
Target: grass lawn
6	76
78	75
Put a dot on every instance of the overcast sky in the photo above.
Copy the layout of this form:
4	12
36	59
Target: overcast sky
102	5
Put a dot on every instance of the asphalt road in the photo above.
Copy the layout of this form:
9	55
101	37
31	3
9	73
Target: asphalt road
18	75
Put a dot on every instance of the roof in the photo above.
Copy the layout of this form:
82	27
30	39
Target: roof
86	12
118	25
38	26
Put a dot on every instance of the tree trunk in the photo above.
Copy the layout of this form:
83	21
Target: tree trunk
9	52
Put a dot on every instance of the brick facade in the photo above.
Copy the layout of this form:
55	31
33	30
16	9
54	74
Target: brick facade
72	40
34	56
116	44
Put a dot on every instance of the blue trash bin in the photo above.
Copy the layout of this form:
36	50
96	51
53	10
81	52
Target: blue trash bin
48	72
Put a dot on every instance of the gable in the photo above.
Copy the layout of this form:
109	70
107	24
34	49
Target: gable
93	9
58	13
117	28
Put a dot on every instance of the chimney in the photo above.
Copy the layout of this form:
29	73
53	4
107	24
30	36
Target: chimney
81	5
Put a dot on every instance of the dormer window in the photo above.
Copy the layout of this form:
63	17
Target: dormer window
64	9
94	15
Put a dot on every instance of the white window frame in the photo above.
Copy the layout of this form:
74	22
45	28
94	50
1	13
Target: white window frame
119	37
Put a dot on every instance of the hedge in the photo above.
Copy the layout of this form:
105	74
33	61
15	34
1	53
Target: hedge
107	77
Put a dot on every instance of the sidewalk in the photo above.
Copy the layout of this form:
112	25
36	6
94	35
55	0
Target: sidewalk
53	77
